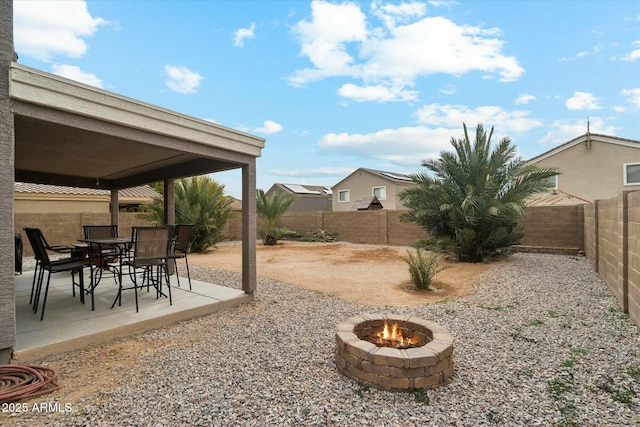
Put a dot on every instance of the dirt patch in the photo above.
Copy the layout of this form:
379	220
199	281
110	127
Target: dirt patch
376	275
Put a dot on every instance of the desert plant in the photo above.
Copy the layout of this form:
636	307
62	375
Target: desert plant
422	268
472	202
318	236
269	209
200	201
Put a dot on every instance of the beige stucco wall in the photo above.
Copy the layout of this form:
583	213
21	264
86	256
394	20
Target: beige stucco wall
593	173
361	184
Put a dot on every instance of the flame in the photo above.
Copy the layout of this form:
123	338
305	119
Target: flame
392	337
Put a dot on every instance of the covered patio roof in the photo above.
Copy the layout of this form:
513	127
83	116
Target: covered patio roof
72	134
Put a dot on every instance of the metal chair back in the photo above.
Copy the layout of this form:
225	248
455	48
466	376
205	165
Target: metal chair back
100	231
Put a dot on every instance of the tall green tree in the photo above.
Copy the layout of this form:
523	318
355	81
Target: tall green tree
201	201
269	209
472	200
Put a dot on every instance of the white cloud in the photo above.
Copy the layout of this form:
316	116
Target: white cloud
525	99
406	145
243	34
323	40
619	109
376	93
634	54
339	41
43	29
633	96
75	73
313	172
269	127
453	116
181	79
582	101
564	131
448	90
391	14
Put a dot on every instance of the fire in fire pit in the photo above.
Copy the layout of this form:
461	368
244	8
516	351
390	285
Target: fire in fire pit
393	337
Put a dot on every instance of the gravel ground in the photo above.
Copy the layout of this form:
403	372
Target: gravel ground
540	343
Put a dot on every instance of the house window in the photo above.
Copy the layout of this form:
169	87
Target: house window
632	174
343	195
380	192
554	182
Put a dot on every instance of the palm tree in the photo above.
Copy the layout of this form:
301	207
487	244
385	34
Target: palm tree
269	209
472	202
200	201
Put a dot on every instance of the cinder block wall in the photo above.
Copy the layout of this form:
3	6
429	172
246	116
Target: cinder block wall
610	244
553	226
633	261
590	234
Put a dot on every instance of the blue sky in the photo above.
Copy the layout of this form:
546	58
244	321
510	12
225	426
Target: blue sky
334	85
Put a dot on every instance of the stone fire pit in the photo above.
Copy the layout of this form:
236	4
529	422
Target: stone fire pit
426	364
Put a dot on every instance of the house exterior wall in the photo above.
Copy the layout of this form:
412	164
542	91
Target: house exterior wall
311	204
7	155
360	184
304	202
60	205
593	173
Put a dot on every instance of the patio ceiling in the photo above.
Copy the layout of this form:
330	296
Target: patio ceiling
72	134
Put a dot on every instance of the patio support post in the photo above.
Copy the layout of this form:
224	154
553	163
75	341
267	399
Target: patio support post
169	197
249	227
7	176
169	202
114	207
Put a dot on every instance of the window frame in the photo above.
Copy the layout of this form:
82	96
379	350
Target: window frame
373	191
346	200
625	173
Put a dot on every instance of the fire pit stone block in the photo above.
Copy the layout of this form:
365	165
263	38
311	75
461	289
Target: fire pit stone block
387	368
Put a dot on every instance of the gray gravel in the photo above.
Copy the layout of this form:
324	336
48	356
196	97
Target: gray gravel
540	343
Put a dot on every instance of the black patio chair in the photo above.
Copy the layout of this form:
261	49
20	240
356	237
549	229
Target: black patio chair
148	264
61	249
180	247
72	264
101	255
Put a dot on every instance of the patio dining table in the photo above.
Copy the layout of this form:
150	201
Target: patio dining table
95	250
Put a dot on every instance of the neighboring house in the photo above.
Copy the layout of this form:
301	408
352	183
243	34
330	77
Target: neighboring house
363	183
594	166
44	198
309	198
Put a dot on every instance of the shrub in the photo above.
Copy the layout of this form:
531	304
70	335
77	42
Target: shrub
470	200
422	268
318	236
199	200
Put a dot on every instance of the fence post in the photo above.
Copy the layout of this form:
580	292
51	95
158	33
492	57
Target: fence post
625	252
596	238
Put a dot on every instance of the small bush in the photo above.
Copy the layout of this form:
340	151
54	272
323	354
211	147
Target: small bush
422	268
318	236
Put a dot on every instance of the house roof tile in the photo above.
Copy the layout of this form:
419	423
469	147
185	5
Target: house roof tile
143	191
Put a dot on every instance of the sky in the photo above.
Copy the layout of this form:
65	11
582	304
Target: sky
337	85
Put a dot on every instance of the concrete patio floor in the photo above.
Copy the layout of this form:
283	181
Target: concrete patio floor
69	325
